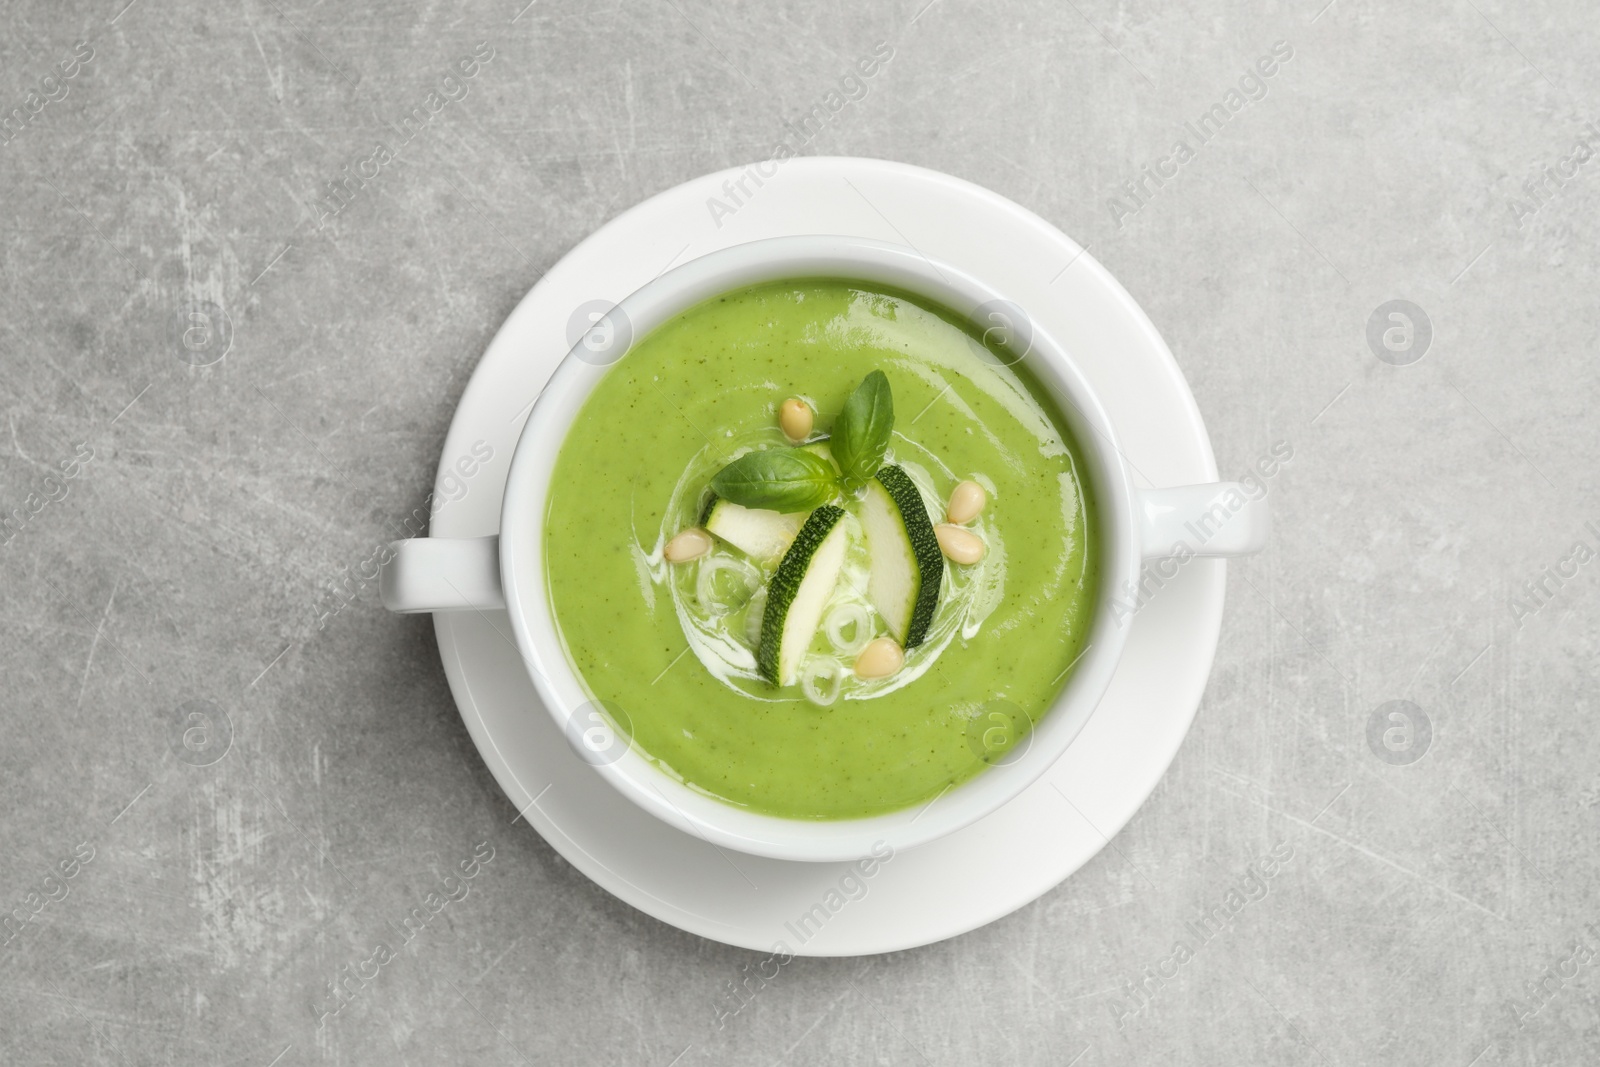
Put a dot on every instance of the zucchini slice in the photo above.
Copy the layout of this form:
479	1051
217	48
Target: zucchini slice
906	563
757	532
799	592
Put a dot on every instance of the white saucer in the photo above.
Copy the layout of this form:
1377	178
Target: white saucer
1000	863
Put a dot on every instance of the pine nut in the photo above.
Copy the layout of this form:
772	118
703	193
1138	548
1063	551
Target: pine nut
688	545
959	544
966	503
795	419
881	658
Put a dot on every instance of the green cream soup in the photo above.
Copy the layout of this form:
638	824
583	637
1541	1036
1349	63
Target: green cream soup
670	648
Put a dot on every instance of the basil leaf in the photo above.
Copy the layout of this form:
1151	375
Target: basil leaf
780	479
861	434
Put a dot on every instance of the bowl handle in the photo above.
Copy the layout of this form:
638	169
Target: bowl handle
1215	519
442	574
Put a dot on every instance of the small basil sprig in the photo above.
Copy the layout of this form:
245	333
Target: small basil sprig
861	433
781	479
792	479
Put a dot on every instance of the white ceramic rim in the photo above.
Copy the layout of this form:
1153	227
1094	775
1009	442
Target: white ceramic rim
538	636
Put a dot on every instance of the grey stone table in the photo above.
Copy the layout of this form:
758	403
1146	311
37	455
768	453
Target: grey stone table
226	384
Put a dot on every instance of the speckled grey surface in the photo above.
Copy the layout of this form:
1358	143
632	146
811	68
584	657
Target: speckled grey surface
174	528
